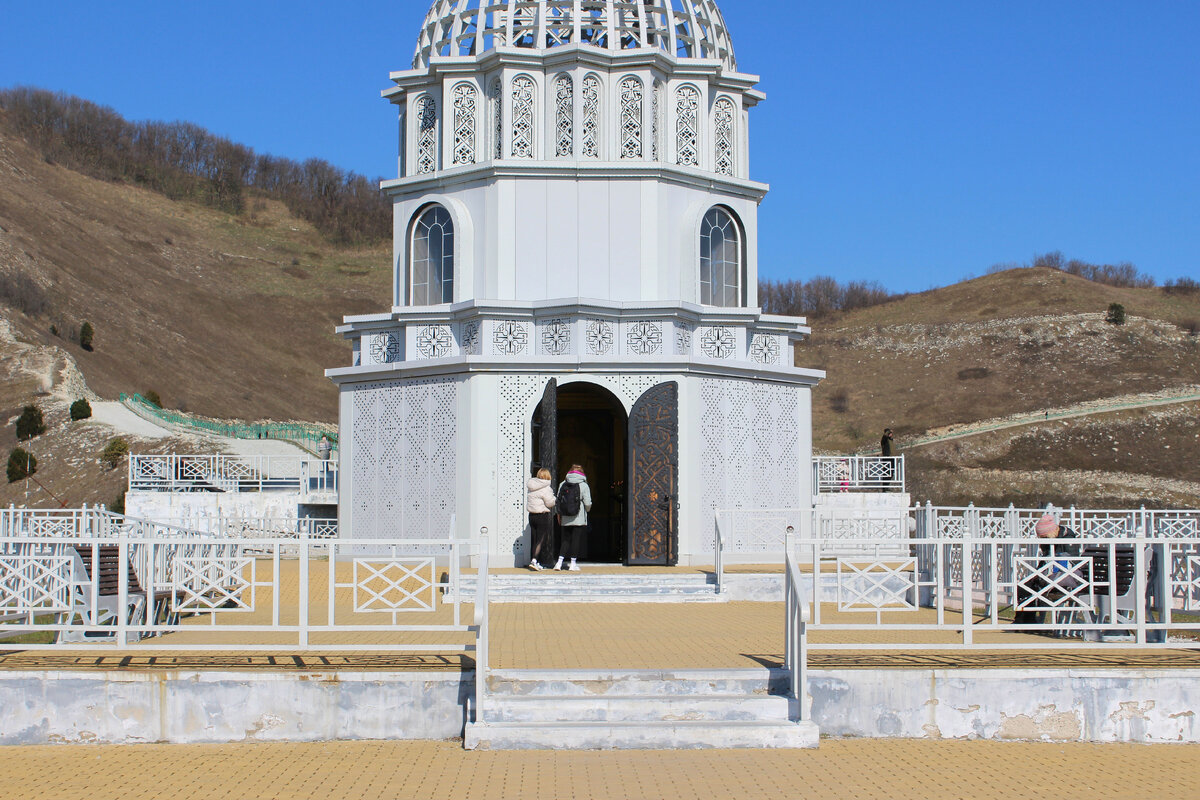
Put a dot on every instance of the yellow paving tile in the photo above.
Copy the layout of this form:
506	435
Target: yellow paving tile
841	769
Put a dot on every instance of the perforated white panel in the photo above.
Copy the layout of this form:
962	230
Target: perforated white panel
517	395
750	445
404	458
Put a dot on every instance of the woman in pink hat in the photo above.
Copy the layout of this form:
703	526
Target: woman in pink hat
1049	531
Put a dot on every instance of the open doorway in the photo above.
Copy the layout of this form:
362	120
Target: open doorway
591	430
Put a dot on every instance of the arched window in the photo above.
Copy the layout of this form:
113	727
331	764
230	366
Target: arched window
427	135
591	117
723	136
564	117
464	124
431	258
631	118
721	260
687	126
522	116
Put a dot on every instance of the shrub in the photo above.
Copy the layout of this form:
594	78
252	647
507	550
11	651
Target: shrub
839	401
21	464
114	453
85	336
30	423
1115	315
973	373
80	409
22	292
1182	286
118	504
1191	326
151	397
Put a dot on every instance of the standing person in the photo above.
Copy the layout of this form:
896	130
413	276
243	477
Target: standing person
885	444
574	502
1048	530
324	451
539	499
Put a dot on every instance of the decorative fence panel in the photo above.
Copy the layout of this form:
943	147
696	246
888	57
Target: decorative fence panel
223	473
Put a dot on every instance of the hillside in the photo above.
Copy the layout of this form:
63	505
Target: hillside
224	315
1026	340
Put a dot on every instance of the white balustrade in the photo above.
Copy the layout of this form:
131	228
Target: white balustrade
225	473
834	474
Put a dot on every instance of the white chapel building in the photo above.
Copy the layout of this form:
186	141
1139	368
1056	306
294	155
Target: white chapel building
575	281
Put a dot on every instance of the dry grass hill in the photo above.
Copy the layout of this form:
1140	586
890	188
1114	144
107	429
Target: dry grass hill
1019	342
233	316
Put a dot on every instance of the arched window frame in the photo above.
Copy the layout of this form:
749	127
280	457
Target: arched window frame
591	124
564	115
445	292
725	125
631	93
465	100
708	292
523	90
427	134
496	100
689	101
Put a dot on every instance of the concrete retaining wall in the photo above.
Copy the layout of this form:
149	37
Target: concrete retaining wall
189	707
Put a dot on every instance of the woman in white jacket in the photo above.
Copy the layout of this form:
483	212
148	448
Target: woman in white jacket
539	499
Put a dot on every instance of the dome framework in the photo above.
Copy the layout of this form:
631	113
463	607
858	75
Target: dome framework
682	28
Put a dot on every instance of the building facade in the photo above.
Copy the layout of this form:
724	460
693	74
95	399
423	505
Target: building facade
575	281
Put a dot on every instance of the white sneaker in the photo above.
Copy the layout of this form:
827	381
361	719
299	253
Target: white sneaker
558	564
535	566
574	567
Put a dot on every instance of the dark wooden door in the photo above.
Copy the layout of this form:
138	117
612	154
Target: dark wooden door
654	477
548	435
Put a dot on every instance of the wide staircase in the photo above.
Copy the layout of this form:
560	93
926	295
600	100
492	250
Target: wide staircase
637	709
592	587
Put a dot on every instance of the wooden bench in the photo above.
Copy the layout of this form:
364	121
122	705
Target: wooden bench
102	564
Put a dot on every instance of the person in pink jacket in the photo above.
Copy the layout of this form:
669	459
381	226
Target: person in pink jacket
539	500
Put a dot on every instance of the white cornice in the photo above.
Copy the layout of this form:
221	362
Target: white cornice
447	179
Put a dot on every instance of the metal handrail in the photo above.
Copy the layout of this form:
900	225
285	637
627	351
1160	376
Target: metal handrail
797	616
481	628
836	474
719	552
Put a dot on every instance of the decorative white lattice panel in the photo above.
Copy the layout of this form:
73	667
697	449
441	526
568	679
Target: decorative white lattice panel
213	582
522	117
35	583
879	585
518	395
591	117
394	585
427	135
1058	583
1191	586
464	123
564	117
631	118
687	126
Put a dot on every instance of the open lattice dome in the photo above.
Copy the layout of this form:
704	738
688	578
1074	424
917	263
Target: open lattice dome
683	28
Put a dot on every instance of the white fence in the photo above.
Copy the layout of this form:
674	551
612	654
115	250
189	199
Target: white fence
98	580
833	474
224	473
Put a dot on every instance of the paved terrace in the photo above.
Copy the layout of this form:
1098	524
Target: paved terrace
841	769
578	636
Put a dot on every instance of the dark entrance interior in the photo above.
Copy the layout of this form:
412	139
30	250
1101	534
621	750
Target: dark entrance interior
591	431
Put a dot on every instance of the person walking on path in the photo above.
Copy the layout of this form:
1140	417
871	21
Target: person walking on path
574	500
539	500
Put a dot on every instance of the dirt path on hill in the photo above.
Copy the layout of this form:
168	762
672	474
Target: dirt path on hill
1186	394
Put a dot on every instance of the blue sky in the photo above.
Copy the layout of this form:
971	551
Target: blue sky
910	143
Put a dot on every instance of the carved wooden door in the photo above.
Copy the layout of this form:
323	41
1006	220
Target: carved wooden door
654	477
548	435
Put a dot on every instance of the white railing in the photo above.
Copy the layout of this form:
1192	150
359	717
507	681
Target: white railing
796	616
949	593
955	522
224	473
481	629
832	474
196	592
718	550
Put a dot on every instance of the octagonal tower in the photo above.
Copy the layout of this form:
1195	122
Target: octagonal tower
575	280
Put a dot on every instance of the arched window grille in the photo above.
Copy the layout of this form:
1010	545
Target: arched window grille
497	101
464	123
427	135
564	124
687	126
721	260
631	118
591	117
522	117
431	257
655	106
723	136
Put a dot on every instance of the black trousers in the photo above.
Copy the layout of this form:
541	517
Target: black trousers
541	534
572	541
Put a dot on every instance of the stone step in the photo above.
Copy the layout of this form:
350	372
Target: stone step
630	682
675	735
578	587
637	708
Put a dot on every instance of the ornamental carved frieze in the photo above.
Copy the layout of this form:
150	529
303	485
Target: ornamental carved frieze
472	342
510	338
644	338
764	349
718	342
683	339
556	337
434	341
599	337
385	348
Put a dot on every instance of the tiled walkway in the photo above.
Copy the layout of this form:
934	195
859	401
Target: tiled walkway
893	769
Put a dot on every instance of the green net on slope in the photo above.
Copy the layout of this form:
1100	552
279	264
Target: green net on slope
305	434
